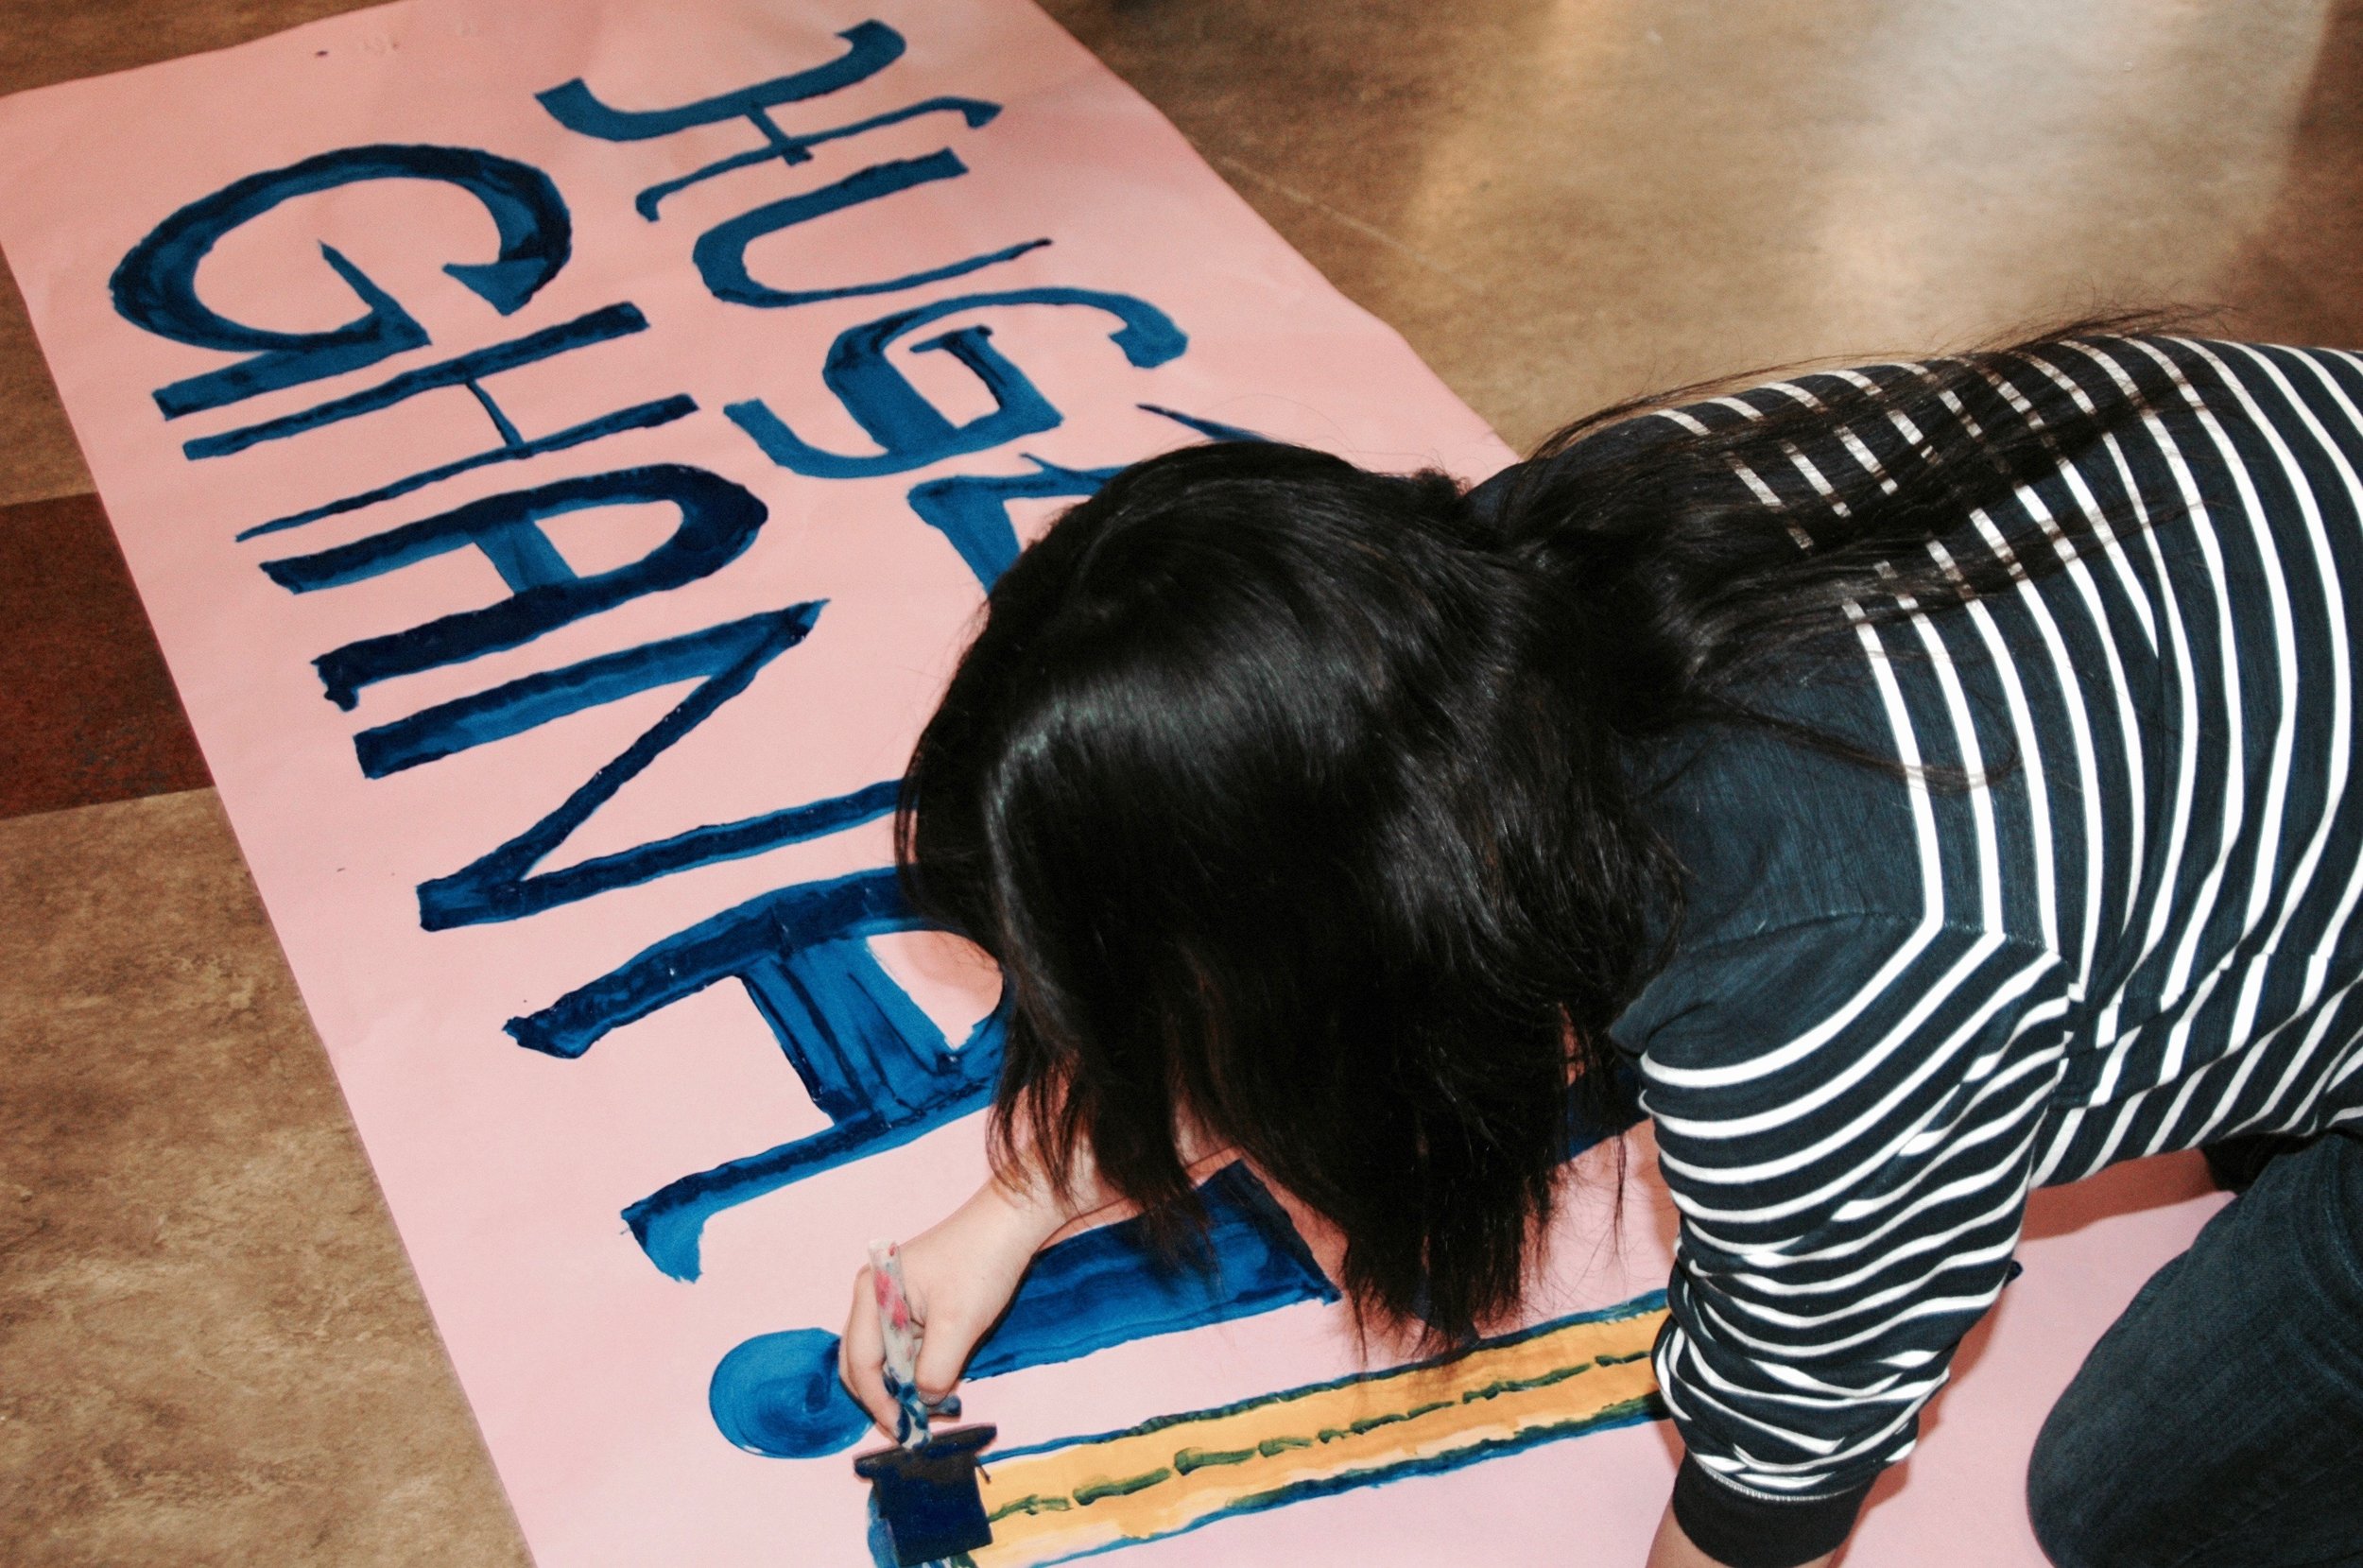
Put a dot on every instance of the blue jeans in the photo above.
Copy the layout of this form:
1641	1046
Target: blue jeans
2220	1422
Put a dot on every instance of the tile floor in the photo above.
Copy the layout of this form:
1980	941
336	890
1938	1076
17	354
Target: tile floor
211	1349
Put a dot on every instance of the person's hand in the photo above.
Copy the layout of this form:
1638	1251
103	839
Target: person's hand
959	1276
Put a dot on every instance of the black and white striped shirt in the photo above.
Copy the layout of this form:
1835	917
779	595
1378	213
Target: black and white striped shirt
1897	1006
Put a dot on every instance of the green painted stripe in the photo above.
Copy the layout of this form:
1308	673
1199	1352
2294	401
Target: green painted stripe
1187	1460
1032	1505
1092	1492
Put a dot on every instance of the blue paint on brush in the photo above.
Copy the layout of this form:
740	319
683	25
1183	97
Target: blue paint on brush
926	1498
878	1538
778	1394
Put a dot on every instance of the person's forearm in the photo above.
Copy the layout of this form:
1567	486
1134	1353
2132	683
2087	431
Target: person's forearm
1673	1550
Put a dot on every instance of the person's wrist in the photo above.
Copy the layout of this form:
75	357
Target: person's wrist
1031	1212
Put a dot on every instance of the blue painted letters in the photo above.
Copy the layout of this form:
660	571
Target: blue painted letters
501	886
795	150
155	284
719	520
871	1061
720	253
972	510
911	431
721	250
468	370
870	48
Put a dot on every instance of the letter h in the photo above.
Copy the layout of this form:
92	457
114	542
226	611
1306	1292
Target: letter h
875	1063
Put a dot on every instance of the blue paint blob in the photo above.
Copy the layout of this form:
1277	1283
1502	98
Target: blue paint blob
778	1395
1109	1286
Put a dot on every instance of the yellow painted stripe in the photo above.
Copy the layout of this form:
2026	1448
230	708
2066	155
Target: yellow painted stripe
1168	1474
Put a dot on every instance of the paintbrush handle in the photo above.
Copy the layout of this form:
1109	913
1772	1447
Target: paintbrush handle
899	1331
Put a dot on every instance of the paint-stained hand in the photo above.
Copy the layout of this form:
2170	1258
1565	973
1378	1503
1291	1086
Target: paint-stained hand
960	1275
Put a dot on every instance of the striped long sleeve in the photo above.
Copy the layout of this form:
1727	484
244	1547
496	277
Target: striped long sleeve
1896	1007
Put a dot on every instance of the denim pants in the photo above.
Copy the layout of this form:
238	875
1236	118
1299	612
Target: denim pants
2218	1424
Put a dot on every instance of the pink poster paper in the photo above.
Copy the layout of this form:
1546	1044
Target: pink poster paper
561	446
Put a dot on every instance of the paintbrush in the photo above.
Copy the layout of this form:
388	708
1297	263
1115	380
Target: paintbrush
924	1490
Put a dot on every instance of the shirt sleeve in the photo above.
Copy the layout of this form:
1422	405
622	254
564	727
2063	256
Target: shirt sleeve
1847	1108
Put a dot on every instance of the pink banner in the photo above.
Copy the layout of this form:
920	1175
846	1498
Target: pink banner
561	446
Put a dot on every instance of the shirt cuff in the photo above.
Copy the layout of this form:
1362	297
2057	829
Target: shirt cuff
1741	1530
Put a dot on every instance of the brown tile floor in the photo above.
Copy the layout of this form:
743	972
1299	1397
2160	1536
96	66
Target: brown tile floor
86	713
210	1350
213	1349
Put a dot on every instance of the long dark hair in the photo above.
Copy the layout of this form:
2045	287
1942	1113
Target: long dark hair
1298	802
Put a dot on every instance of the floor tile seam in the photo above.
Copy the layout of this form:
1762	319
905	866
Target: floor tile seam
10	820
38	495
11	504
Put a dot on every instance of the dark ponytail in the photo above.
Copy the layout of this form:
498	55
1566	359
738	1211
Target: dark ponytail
1297	801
